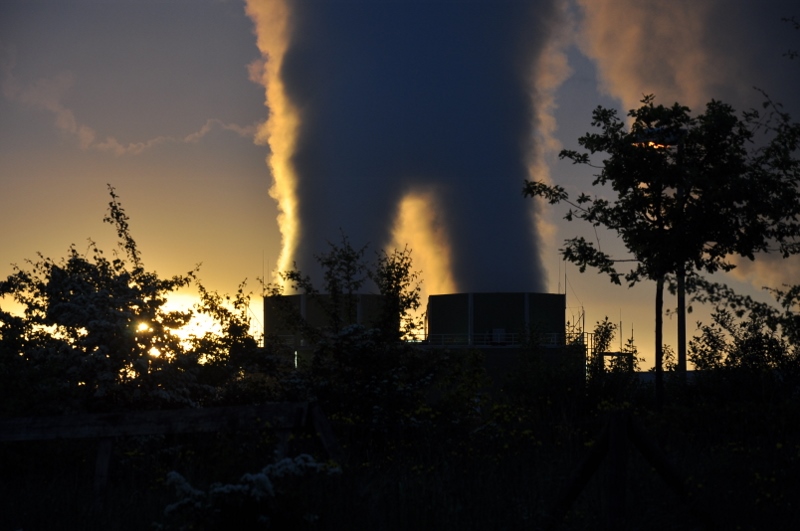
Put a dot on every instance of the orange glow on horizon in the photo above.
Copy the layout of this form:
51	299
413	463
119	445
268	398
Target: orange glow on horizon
271	27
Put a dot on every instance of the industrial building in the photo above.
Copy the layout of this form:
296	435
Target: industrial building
504	326
458	319
282	315
495	319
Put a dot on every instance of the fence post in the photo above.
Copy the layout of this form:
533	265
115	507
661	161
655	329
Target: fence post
323	429
616	471
104	447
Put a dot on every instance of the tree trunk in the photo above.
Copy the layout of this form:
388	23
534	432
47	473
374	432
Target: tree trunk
681	368
659	343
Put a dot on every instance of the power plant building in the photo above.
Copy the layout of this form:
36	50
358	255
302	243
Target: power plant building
495	319
458	319
504	326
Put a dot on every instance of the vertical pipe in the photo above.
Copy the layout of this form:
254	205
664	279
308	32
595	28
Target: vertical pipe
527	311
303	301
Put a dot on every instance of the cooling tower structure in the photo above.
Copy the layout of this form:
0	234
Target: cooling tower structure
506	328
480	320
496	319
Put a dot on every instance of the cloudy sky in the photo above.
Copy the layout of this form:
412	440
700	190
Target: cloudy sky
244	135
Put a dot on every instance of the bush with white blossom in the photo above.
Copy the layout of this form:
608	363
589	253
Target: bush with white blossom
261	500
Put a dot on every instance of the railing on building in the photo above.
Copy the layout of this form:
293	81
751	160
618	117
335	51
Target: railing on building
490	339
502	339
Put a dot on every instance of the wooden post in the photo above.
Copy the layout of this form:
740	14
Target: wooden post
104	447
323	430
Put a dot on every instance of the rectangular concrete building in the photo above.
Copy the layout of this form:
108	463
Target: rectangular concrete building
495	319
314	311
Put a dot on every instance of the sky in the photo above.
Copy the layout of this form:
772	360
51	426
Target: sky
244	136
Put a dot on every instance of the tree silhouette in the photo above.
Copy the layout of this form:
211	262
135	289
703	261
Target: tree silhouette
95	333
690	192
345	272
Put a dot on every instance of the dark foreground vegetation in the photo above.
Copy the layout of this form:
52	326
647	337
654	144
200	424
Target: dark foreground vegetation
437	467
427	441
